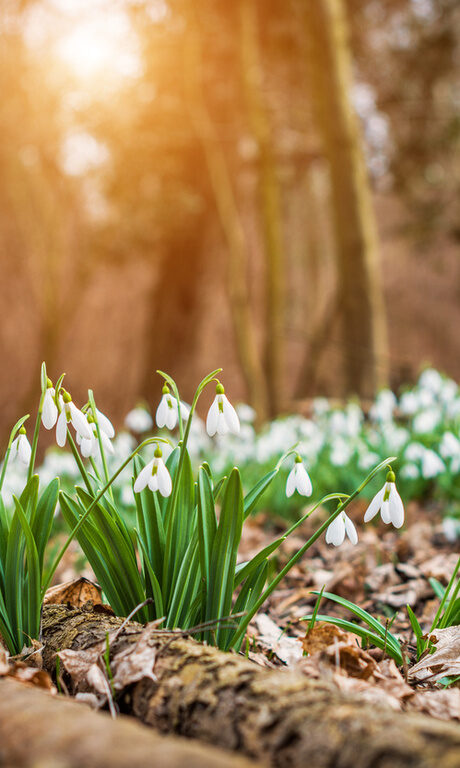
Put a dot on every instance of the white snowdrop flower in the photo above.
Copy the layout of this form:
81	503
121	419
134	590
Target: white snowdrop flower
431	380
427	420
298	479
388	502
49	410
321	406
367	459
341	452
20	447
448	392
432	465
449	447
166	415
139	420
70	413
385	403
222	417
339	528
409	403
414	452
245	413
395	437
410	471
89	446
154	475
105	425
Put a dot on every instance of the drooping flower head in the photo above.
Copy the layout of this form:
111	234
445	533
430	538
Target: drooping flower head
298	479
388	502
154	475
20	447
339	528
70	414
222	417
167	414
49	410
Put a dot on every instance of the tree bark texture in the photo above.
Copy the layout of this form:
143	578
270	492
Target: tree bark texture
279	716
355	229
38	730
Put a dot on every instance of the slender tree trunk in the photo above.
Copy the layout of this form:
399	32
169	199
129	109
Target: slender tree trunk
280	716
330	70
270	203
230	220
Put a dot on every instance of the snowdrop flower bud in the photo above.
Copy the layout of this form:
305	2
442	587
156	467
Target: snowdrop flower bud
388	502
298	479
341	526
166	415
20	447
49	411
155	476
70	413
222	417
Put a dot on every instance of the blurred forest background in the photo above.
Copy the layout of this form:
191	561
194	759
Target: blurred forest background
270	186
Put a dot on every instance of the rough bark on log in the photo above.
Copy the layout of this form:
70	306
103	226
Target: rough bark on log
281	716
37	729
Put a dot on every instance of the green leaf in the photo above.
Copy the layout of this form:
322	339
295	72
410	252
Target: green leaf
207	523
255	493
438	589
224	553
244	570
42	520
33	591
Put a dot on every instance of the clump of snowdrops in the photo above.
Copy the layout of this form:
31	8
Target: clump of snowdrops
179	563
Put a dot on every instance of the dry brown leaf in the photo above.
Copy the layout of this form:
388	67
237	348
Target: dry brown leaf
402	594
75	593
446	658
445	705
321	637
78	663
371	693
134	663
287	649
340	649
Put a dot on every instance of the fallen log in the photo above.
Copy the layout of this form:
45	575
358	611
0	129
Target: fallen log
225	700
37	729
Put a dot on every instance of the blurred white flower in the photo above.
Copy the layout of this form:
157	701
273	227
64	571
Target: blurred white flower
449	447
431	380
432	465
410	471
427	420
409	403
222	417
341	452
298	479
341	526
139	420
388	502
384	406
245	413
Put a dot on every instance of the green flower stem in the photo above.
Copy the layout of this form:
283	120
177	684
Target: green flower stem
92	403
13	433
78	459
30	471
77	527
295	558
95	468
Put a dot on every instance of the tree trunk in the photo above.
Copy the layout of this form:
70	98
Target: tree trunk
270	200
276	715
361	297
230	220
37	729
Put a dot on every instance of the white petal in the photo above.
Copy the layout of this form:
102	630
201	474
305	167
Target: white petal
105	424
24	449
61	429
162	412
291	482
351	530
374	506
303	481
79	421
171	416
211	419
222	426
335	533
153	482
385	512
87	447
106	443
396	507
15	447
50	411
164	479
231	416
143	477
184	410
